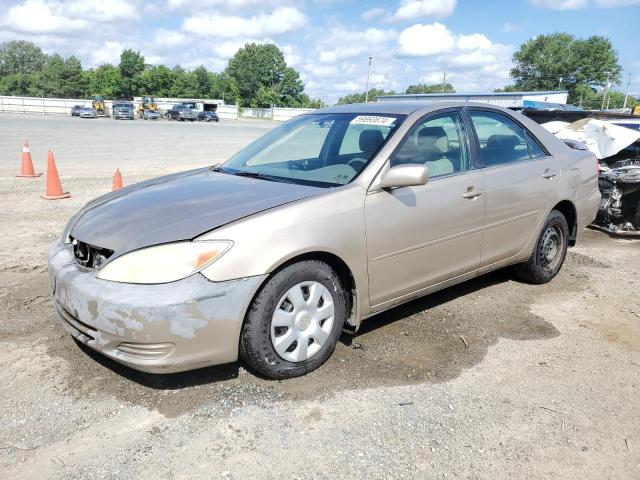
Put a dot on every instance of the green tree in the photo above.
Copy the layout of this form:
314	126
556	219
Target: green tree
374	93
19	84
156	81
104	80
202	82
255	66
559	61
131	67
224	86
21	57
62	77
435	88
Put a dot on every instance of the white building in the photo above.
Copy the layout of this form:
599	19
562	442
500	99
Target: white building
502	99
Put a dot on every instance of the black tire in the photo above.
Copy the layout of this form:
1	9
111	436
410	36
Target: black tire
539	268
256	347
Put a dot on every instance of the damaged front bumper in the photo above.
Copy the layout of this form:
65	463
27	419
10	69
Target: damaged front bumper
161	328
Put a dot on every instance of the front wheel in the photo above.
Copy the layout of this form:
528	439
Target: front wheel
549	252
294	323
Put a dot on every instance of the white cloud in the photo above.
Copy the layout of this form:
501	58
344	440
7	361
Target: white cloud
373	13
202	6
422	40
99	10
616	3
512	27
109	52
576	4
471	42
37	17
168	38
342	44
280	21
412	9
560	4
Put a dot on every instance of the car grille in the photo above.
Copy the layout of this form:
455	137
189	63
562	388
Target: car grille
89	256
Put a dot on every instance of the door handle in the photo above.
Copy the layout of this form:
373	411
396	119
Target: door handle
548	174
472	193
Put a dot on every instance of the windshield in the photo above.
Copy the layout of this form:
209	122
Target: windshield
319	149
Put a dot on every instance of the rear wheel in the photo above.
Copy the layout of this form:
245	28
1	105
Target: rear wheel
294	322
549	253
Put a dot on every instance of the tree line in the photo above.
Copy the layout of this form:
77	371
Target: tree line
257	76
558	61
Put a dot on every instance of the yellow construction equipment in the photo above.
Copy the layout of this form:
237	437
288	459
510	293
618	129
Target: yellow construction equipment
97	102
147	103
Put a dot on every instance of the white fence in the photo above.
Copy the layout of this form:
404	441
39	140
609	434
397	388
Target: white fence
62	106
279	114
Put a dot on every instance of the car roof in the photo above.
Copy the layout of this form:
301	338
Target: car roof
401	107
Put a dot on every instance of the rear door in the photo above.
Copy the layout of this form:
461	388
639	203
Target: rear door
421	236
521	181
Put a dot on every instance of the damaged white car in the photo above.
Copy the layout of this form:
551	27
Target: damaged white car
616	144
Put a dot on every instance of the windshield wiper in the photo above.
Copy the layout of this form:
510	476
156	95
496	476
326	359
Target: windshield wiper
257	175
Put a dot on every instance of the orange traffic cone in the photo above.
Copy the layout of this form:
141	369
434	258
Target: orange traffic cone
27	164
54	187
117	181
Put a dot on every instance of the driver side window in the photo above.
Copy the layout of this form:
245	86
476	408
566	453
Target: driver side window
438	142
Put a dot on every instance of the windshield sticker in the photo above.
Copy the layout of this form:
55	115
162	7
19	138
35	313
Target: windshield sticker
373	120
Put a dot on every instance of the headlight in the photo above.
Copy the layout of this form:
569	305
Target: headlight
163	263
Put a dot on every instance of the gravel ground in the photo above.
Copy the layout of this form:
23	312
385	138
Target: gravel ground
490	379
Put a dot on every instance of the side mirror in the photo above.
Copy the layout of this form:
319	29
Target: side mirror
404	176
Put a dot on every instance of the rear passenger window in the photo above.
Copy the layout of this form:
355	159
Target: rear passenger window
439	142
535	150
501	139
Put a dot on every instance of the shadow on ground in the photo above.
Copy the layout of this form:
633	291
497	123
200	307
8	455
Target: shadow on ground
427	340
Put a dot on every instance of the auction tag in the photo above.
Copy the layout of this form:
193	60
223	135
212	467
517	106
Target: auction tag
373	120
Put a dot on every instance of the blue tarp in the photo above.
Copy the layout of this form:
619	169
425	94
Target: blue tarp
533	105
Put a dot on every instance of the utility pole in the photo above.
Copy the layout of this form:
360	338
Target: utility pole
606	91
366	93
626	95
444	81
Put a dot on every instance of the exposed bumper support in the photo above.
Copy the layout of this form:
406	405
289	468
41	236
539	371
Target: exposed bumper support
161	328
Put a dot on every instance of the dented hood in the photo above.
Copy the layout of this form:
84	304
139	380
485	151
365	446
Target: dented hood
177	207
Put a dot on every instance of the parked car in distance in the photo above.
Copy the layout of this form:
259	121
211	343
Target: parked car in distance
327	220
87	112
208	117
122	110
75	110
182	113
151	115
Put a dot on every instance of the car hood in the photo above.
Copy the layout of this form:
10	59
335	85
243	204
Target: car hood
177	207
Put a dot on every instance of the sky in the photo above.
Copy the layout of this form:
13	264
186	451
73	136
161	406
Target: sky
328	41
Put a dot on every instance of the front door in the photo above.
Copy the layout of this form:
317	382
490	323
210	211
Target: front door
420	236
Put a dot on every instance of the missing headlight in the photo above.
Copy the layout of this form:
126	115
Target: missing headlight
89	256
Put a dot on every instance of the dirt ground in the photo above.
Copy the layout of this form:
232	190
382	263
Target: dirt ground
493	378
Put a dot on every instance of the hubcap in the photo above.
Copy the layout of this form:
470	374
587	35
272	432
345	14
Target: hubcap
302	321
551	247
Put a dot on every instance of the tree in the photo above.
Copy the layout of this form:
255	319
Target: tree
21	57
201	81
156	81
62	77
374	93
255	66
104	80
131	67
559	61
19	84
436	88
